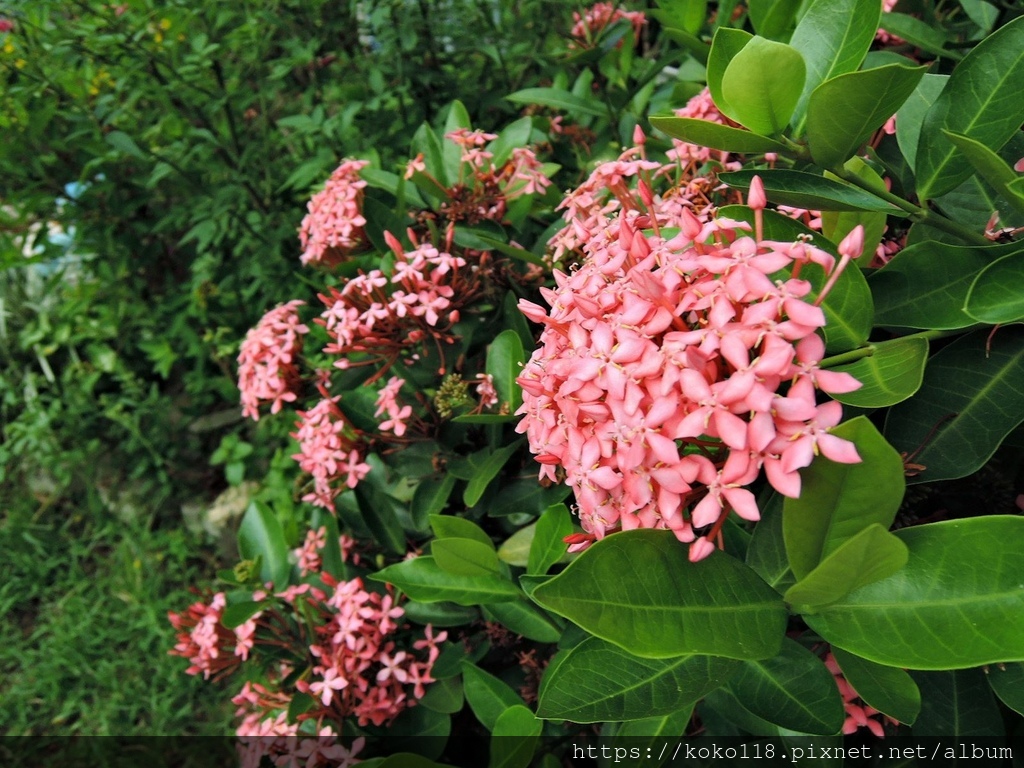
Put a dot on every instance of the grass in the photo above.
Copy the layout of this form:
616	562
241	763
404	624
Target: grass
84	633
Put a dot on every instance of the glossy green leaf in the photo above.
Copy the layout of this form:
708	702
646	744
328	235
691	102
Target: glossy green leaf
833	36
505	358
724	704
807	190
836	225
981	13
548	545
520	722
868	556
911	115
524	618
889	375
558	98
330	556
957	705
457	118
1007	681
431	497
638	590
771	18
684	14
488	696
425	142
995	296
955	604
837	501
440	614
793	690
526	496
485	470
707	134
890	690
597	681
453	527
981	101
422	579
766	552
260	535
761	85
515	550
724	47
650	736
465	557
236	615
844	112
918	33
444	696
990	166
972	396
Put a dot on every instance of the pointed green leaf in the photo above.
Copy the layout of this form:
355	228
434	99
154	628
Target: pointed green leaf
766	553
833	36
639	590
548	546
236	615
836	225
444	696
761	85
972	396
793	690
452	527
888	689
808	190
707	134
918	33
520	722
1007	681
524	618
440	614
995	295
515	550
911	115
990	166
868	556
837	501
378	512
981	101
422	579
597	681
685	14
260	535
957	705
465	557
488	696
505	358
513	135
124	143
425	142
457	118
431	497
724	47
889	375
485	470
956	603
843	112
771	18
558	98
330	555
649	736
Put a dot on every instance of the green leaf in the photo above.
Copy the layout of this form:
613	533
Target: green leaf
330	555
260	535
488	696
990	166
444	696
793	689
981	13
807	190
452	527
911	115
520	722
837	501
650	736
724	47
918	33
526	496
890	374
558	98
548	546
425	142
762	84
766	553
505	358
431	497
1007	681
956	603
957	705
524	619
515	550
465	557
833	36
981	101
685	14
888	689
716	136
440	614
422	579
378	512
972	396
457	118
513	135
843	112
485	470
639	590
870	555
597	681
124	143
995	296
236	615
771	18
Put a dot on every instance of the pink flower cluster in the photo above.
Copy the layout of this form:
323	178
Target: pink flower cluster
672	369
333	228
601	15
211	648
329	451
858	714
267	370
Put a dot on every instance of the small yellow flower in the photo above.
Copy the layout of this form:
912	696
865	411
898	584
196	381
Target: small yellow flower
159	37
20	63
8	47
165	24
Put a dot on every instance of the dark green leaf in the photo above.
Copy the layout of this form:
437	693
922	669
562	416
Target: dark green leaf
520	722
425	142
465	557
807	190
512	136
995	296
597	681
972	396
836	225
526	496
330	555
766	553
444	696
488	696
639	590
957	705
557	98
911	115
1007	681
422	579
378	512
837	501
762	84
888	689
707	134
890	374
956	603
260	535
548	546
124	143
524	619
650	735
430	498
236	615
726	44
990	166
918	33
485	471
440	614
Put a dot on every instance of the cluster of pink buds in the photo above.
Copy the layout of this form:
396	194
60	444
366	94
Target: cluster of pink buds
599	16
211	648
333	228
267	369
858	714
672	369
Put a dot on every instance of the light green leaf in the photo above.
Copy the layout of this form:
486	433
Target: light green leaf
520	722
548	545
888	689
956	603
890	374
505	358
981	101
761	85
597	681
808	190
707	134
843	112
868	556
488	696
771	18
981	13
724	47
558	98
513	135
515	550
260	535
453	527
422	579
465	557
440	614
837	501
793	690
972	396
639	590
995	295
911	115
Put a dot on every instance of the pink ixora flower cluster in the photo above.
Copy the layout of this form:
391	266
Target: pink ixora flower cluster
858	714
333	228
599	16
672	369
267	369
329	450
212	648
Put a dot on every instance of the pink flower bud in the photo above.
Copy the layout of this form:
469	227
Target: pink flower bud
853	244
639	137
393	243
756	199
700	549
